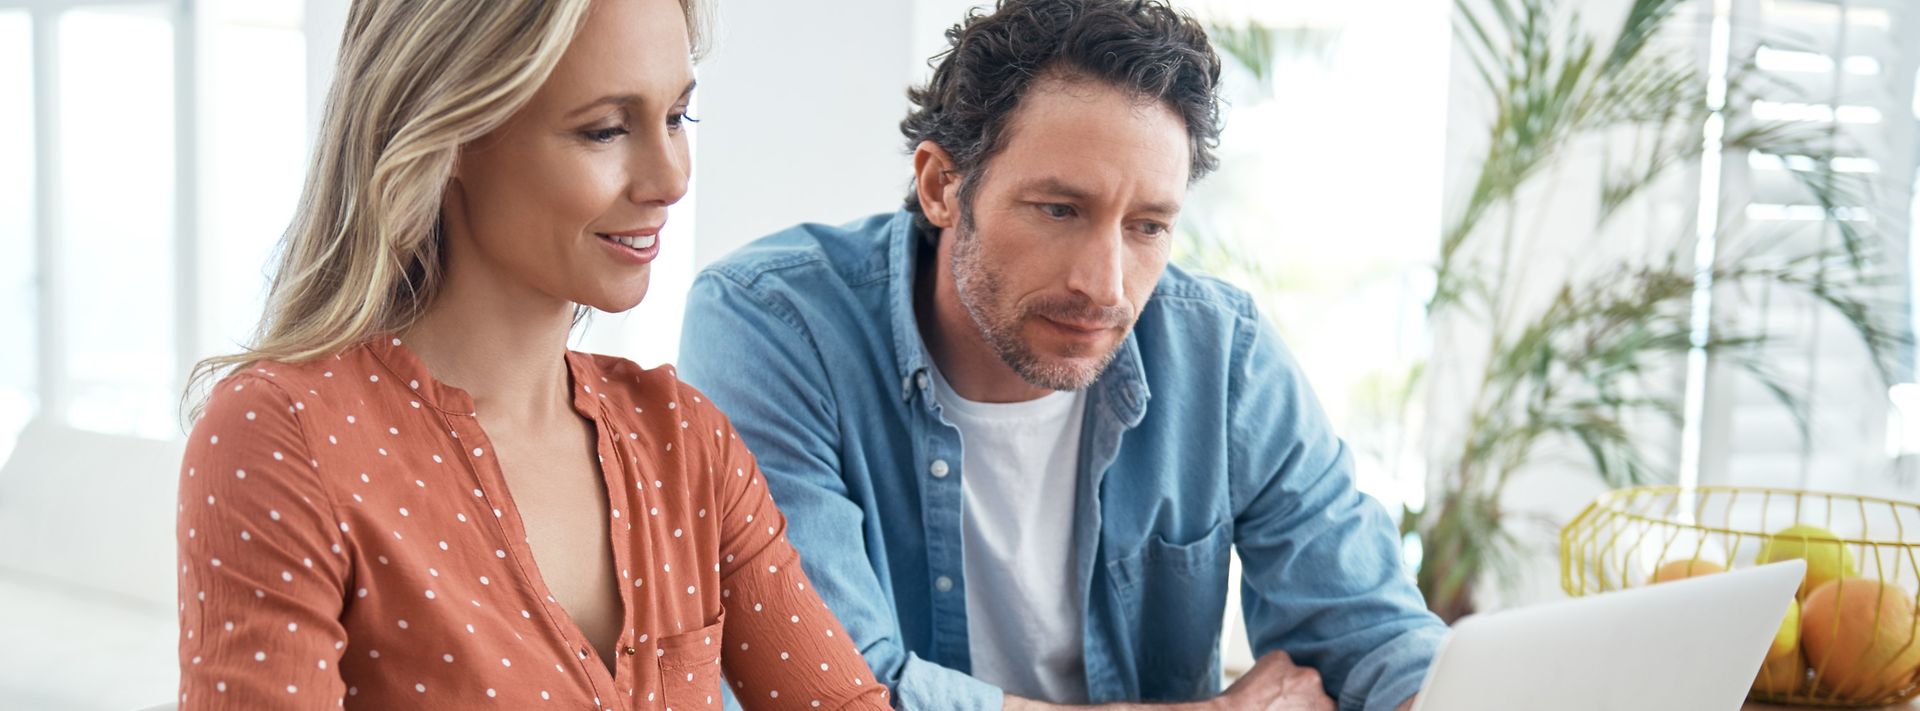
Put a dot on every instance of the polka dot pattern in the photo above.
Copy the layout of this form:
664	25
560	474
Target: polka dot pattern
351	560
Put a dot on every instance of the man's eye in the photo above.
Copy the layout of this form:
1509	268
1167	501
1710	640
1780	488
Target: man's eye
1057	211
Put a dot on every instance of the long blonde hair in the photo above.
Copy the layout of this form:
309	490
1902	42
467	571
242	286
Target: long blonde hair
416	80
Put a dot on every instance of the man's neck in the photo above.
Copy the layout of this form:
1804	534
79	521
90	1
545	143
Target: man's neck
971	366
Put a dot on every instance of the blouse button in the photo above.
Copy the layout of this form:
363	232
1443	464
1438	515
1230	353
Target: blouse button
630	651
939	469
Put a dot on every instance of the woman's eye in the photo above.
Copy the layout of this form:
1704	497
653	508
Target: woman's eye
680	120
604	135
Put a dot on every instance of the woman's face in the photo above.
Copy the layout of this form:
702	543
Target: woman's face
568	197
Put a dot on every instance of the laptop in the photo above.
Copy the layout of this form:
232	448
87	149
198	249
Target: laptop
1689	645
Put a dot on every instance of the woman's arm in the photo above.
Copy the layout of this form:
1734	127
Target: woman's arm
262	564
784	648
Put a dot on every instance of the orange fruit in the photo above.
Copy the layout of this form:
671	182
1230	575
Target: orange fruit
1680	569
1862	635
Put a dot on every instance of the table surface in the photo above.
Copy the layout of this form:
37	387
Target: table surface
1751	706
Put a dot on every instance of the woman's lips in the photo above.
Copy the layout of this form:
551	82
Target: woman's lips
633	248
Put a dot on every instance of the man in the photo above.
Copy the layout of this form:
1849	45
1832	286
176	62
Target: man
1015	446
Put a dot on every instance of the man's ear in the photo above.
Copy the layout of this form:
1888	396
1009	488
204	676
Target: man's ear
937	184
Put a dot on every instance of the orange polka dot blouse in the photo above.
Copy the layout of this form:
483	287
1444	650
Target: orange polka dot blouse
346	540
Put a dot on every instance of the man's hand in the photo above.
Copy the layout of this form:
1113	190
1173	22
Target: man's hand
1276	684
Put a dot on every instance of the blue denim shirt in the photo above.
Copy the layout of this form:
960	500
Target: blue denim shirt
1202	437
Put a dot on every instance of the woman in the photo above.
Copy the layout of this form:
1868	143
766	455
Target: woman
408	493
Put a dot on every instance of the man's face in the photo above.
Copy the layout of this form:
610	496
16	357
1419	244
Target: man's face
1069	228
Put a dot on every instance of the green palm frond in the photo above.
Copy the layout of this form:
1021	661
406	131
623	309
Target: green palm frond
1249	45
1591	370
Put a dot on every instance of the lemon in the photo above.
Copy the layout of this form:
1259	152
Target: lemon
1827	558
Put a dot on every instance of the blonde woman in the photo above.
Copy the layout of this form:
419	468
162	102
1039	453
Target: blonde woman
407	493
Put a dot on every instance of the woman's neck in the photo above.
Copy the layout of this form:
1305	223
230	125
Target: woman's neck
506	347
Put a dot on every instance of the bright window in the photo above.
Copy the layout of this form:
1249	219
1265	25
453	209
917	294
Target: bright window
254	114
17	194
116	218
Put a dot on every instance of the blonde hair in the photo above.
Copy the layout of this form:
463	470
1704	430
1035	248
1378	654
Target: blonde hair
416	80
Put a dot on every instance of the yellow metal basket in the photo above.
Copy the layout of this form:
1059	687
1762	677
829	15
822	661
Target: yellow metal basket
1852	638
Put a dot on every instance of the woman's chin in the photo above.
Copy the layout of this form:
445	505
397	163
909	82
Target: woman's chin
616	301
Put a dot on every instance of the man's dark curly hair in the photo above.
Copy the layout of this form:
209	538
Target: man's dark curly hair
1144	47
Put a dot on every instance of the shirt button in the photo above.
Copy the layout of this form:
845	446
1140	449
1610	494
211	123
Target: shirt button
921	380
939	469
943	584
630	651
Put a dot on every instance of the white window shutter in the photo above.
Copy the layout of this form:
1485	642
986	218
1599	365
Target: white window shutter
1844	71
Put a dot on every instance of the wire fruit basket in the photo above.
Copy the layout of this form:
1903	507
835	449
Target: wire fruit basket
1852	636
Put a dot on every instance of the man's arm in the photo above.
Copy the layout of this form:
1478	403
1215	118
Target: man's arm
1015	703
1274	683
753	356
1323	577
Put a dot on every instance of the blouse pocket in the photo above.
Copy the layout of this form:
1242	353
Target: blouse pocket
690	668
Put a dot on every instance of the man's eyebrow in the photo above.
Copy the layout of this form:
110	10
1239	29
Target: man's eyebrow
1057	186
1161	208
624	99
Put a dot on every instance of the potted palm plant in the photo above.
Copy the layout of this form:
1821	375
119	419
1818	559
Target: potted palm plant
1590	357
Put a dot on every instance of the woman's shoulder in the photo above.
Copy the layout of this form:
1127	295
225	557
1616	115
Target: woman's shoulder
622	374
267	384
656	396
252	424
314	375
285	390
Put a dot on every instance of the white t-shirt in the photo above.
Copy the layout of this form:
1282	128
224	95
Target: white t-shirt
1019	476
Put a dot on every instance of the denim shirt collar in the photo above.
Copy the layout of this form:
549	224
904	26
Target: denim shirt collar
903	254
1121	389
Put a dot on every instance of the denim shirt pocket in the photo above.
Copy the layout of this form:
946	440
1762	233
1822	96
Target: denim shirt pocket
1170	599
690	667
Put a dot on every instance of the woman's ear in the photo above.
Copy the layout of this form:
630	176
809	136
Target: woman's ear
937	184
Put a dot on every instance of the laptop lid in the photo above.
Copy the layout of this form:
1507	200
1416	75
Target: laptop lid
1688	645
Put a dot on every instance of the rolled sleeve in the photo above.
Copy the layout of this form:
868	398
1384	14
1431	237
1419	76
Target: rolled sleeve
925	685
1323	577
1383	680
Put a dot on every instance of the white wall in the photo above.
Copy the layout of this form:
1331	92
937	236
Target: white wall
324	22
799	108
